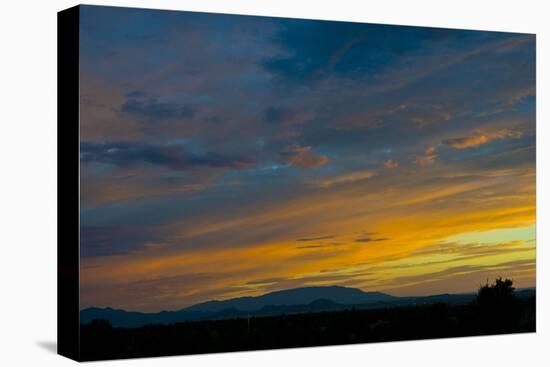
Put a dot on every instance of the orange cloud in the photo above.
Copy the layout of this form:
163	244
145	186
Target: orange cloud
390	164
474	141
348	178
303	157
428	158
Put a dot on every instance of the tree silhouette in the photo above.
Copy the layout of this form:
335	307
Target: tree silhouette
501	291
497	306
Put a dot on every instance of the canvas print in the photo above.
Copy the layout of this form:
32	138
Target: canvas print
257	183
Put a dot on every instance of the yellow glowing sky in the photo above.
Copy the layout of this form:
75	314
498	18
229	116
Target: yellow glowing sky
416	237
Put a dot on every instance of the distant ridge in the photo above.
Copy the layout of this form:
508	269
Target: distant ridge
298	300
296	296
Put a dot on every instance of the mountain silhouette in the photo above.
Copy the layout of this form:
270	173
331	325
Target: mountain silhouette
286	301
290	301
296	296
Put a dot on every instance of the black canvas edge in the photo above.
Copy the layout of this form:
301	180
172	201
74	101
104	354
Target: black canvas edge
68	184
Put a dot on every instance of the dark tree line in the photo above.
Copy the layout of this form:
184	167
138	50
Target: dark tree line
495	310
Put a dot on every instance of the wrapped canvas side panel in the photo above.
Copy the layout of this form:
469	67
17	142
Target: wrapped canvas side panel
68	147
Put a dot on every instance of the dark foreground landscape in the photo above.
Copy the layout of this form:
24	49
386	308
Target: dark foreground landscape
495	310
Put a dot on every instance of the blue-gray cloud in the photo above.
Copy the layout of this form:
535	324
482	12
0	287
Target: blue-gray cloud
151	108
371	239
315	50
115	240
308	239
174	157
286	116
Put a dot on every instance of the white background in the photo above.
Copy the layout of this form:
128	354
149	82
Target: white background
28	183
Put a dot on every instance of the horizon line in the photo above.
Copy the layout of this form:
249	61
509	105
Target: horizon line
282	290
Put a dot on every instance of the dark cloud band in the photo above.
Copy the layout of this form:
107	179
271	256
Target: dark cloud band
174	157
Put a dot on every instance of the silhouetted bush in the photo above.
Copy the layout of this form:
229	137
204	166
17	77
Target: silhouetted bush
498	308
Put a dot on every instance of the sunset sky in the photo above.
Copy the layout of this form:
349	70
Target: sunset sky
225	156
